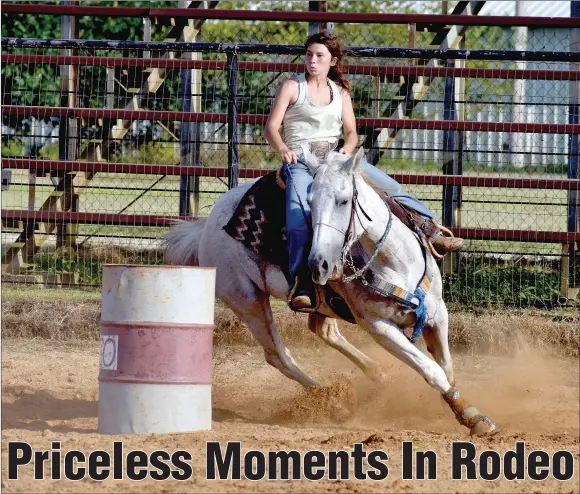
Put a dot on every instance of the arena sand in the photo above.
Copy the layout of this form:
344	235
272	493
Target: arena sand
50	392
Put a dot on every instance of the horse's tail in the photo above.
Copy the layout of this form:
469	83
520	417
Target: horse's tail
181	243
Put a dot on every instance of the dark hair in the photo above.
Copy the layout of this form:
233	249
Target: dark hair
330	40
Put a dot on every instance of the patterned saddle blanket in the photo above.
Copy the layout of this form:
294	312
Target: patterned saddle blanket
259	222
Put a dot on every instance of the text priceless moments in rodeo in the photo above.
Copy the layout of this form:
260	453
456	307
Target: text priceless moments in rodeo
227	462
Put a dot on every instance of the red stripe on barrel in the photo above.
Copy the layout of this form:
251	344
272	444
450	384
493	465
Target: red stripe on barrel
160	353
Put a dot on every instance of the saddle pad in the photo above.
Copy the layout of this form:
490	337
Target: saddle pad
259	221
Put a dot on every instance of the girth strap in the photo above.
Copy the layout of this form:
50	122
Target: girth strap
412	300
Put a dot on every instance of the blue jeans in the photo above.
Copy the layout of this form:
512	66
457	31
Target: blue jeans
298	182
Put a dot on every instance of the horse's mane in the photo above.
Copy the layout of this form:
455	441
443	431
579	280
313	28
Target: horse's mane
335	161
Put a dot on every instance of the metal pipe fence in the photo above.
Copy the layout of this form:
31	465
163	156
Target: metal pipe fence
487	138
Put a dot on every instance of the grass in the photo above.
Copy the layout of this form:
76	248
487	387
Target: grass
41	294
478	278
517	209
69	315
88	263
481	281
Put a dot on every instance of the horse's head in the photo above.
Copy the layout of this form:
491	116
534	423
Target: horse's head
331	203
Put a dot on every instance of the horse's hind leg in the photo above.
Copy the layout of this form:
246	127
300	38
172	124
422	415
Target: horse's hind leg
392	339
435	335
254	309
327	330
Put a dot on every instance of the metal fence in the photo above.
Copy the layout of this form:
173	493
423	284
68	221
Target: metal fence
107	141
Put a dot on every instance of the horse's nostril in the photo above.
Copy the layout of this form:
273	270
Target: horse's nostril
325	266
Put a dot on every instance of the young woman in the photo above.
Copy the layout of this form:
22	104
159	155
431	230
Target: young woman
315	109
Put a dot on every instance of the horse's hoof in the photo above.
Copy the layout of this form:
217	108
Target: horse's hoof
484	427
378	376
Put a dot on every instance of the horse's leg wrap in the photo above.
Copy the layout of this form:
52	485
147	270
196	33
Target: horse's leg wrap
468	415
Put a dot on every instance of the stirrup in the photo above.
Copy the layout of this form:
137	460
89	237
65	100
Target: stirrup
300	299
441	234
301	302
433	231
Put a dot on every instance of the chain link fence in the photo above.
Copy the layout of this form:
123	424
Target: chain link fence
490	269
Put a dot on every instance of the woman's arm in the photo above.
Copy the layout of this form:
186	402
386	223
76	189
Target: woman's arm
348	125
287	94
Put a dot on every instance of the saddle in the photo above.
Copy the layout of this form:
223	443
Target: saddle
259	222
425	230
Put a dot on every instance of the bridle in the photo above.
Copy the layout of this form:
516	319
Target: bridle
345	257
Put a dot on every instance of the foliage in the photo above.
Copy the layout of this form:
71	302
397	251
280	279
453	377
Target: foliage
151	152
478	280
90	27
88	264
90	271
40	85
13	148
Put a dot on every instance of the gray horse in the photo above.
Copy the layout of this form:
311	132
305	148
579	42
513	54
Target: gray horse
348	214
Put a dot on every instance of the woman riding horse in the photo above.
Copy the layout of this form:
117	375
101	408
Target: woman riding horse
315	109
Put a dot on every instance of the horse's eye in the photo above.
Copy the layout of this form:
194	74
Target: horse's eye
309	198
344	203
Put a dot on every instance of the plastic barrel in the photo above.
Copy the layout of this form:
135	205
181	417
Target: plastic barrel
156	349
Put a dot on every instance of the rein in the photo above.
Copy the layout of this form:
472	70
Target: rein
360	272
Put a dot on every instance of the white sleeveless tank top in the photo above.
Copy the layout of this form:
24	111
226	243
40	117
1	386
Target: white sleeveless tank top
305	122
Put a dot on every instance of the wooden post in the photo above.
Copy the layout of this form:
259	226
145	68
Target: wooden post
517	139
31	247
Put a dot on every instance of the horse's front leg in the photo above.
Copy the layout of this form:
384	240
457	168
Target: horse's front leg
436	336
327	330
393	340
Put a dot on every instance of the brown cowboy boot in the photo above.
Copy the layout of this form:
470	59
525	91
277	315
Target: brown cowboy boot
441	238
447	244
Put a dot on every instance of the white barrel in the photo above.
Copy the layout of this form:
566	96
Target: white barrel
156	349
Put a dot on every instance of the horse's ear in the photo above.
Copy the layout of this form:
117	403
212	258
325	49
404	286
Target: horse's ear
311	160
355	163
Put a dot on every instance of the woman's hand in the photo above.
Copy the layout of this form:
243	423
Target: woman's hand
345	150
288	156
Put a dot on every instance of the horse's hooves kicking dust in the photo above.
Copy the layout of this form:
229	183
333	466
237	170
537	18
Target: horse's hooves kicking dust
330	404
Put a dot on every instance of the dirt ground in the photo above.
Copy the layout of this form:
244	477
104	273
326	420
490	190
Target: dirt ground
50	392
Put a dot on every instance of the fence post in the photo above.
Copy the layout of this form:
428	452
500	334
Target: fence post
233	156
519	110
69	135
573	149
452	165
316	27
190	136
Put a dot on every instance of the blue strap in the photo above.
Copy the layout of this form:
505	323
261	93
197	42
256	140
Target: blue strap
421	312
